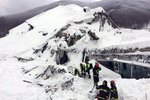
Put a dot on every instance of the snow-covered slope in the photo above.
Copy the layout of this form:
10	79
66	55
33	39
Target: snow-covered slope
45	50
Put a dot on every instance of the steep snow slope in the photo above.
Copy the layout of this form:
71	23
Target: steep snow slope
12	87
49	46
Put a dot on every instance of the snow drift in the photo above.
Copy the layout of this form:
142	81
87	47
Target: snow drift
47	48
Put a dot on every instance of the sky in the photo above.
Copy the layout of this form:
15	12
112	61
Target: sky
16	6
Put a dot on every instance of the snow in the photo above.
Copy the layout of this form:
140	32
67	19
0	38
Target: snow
12	86
28	58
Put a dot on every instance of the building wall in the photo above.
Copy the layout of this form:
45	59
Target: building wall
127	70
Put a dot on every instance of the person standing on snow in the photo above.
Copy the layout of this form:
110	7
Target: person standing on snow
96	70
77	72
113	91
83	70
89	66
103	91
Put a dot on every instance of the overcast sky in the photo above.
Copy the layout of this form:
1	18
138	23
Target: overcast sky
16	6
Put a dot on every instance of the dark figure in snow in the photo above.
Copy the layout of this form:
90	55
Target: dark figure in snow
77	72
84	57
113	91
89	66
103	91
87	59
83	70
96	70
102	22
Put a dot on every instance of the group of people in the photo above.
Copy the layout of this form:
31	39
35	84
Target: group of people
86	71
106	93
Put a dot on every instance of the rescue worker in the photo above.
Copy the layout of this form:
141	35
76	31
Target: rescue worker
113	91
89	66
96	70
77	72
103	91
83	70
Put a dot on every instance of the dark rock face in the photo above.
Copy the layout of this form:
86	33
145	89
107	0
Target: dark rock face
126	13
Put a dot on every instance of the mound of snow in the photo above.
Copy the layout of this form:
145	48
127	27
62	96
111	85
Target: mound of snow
50	45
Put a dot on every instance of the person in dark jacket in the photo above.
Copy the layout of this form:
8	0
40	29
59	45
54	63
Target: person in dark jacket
113	91
103	91
77	72
83	70
96	70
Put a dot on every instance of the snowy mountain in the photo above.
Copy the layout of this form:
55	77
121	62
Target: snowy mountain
129	14
39	56
126	13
